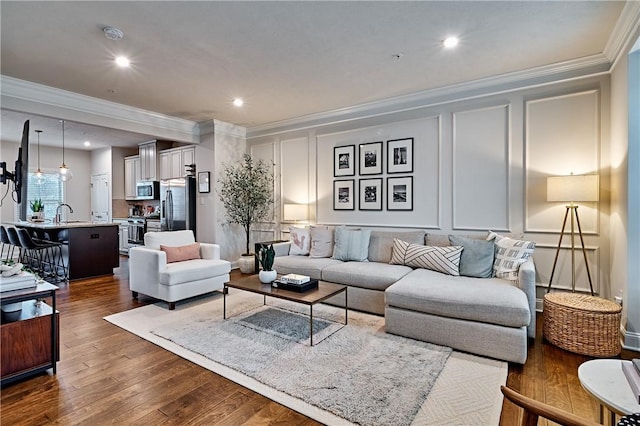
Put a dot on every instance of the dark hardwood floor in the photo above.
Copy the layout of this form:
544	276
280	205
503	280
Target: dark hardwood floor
107	375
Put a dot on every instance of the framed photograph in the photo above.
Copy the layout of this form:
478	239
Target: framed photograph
343	196
370	194
344	160
400	156
400	193
204	184
371	158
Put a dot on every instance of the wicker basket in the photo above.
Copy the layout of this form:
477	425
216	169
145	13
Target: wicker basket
586	325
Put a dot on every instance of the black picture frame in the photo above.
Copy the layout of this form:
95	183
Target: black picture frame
371	158
371	194
343	194
400	155
204	182
344	160
400	193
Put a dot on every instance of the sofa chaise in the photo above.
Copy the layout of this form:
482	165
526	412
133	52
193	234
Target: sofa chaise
490	316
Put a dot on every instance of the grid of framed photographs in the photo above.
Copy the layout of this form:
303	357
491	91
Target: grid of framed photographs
370	161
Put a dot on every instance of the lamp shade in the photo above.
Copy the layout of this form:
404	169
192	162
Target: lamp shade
295	212
572	188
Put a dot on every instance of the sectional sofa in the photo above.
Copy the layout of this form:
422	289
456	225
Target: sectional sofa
399	275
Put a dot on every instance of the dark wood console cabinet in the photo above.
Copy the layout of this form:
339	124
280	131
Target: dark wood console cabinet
30	344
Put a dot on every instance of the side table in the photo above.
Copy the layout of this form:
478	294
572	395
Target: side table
30	345
583	324
606	382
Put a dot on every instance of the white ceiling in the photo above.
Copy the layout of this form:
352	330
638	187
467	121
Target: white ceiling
285	59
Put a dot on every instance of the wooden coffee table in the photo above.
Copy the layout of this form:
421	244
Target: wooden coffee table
310	297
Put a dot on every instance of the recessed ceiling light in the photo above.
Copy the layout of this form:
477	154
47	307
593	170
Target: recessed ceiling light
123	61
238	102
450	42
87	143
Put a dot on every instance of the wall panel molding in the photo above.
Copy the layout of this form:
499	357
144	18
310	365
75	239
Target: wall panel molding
481	169
562	136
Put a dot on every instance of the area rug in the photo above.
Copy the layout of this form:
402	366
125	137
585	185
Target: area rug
355	374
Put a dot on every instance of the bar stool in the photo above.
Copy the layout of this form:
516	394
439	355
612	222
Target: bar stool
4	239
15	242
43	256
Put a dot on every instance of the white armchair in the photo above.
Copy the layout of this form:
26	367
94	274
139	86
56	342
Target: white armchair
150	274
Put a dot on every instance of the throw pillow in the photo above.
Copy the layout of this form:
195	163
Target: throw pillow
321	241
509	255
381	243
300	241
181	253
351	244
440	259
477	256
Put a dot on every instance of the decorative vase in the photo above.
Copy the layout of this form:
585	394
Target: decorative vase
247	264
267	277
37	216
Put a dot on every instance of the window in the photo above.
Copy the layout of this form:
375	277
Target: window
49	188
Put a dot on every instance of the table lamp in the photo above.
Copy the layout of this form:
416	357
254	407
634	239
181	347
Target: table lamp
572	188
295	212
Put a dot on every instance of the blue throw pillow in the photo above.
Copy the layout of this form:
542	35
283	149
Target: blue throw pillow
351	244
477	256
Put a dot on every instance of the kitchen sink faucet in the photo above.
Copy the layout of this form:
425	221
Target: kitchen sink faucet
58	216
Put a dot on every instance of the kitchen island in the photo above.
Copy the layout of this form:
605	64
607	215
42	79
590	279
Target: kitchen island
88	249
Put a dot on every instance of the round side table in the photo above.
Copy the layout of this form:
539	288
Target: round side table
604	380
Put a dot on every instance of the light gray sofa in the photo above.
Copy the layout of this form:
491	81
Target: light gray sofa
492	317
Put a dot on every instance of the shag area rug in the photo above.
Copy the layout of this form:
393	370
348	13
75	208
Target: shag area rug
355	374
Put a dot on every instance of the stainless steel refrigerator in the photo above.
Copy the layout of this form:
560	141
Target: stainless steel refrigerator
178	204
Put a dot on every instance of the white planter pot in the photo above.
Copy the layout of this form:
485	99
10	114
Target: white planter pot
267	277
247	264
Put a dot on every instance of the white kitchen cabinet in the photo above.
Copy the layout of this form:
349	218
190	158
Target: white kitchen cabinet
123	243
149	159
131	176
173	161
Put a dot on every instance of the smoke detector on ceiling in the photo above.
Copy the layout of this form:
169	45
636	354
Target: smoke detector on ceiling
113	33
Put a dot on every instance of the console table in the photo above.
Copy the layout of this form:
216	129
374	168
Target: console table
30	344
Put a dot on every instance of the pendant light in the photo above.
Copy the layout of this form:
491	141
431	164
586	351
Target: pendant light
65	173
39	172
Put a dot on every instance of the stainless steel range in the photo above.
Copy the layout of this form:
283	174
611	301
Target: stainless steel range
136	231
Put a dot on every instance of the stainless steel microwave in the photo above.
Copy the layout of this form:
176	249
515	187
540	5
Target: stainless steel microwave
148	190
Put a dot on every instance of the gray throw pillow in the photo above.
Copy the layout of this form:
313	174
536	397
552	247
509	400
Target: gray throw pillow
351	244
477	256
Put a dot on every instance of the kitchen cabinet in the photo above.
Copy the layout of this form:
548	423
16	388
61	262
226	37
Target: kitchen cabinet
173	161
149	159
123	245
30	344
131	176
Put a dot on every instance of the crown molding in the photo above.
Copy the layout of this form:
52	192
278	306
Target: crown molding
623	32
502	83
26	96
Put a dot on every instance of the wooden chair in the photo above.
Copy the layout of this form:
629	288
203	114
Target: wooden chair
534	409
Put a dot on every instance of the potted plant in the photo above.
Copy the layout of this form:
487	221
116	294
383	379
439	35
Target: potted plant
266	256
247	194
37	207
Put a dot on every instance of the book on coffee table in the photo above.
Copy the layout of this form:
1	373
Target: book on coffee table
633	378
295	279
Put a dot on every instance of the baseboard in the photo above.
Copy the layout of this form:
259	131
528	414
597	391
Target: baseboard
630	340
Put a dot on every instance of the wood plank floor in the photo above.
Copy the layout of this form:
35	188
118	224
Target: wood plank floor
107	375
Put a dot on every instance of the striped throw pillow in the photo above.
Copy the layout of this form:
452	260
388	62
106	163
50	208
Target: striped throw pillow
440	259
509	255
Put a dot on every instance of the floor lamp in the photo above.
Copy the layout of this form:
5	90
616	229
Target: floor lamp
572	188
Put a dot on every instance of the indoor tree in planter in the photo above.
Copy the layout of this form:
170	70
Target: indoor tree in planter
247	194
